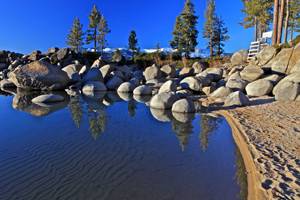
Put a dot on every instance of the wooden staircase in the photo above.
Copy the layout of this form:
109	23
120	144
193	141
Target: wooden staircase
255	48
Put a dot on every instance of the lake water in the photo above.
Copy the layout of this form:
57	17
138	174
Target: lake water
103	148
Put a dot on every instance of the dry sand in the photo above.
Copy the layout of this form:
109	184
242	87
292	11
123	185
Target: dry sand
268	136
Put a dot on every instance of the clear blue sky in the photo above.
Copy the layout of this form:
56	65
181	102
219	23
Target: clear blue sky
40	24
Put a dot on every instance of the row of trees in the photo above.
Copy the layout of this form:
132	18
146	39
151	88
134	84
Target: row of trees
185	31
96	32
283	15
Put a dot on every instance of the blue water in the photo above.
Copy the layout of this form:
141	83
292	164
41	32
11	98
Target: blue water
109	149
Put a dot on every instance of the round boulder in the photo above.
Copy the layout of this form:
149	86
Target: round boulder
259	88
191	83
239	57
163	101
183	106
142	90
169	86
152	72
251	73
237	99
126	87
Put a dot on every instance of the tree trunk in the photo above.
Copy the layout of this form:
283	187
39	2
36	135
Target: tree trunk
287	18
95	39
275	22
255	30
280	22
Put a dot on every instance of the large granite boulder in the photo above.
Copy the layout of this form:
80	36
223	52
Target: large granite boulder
259	88
94	74
163	101
169	86
237	99
221	92
152	72
126	87
213	74
183	106
239	57
266	55
72	73
251	73
199	67
39	75
235	82
106	70
288	89
281	61
168	70
142	90
191	83
294	63
114	83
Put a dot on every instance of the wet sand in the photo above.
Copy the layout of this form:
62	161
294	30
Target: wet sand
268	136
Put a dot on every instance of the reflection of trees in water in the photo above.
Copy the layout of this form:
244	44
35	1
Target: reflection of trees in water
76	110
183	132
131	108
97	121
208	126
241	176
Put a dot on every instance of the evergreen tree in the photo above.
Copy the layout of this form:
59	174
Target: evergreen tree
219	36
94	19
75	37
132	41
294	20
258	14
103	31
210	16
185	32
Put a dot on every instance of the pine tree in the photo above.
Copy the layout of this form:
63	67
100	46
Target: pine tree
132	41
258	14
294	21
220	35
185	32
94	19
210	16
75	37
103	31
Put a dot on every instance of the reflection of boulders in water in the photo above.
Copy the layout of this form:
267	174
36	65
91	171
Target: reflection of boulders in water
125	96
183	131
161	115
22	101
142	99
184	117
97	121
111	98
76	110
241	176
131	108
208	125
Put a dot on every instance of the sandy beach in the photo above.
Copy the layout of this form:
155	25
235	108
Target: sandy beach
268	136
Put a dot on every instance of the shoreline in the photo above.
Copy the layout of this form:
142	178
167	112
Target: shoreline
268	137
240	138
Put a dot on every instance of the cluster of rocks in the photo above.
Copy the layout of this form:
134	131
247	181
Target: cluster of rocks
271	73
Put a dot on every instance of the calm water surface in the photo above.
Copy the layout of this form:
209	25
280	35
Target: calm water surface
109	149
